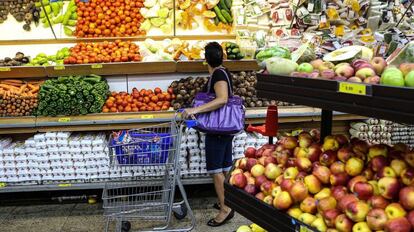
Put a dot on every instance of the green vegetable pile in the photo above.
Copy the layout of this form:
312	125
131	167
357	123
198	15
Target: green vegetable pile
223	12
42	59
72	95
275	51
409	53
232	51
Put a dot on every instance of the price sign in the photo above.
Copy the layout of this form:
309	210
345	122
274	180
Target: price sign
59	67
5	69
2	185
96	66
64	185
64	120
148	116
352	88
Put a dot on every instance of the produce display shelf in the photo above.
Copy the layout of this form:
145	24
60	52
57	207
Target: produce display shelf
385	102
260	213
62	186
116	121
122	68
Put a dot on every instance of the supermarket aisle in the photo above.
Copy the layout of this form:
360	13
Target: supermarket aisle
88	218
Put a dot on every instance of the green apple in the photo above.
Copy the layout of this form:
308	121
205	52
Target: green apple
305	67
409	79
392	76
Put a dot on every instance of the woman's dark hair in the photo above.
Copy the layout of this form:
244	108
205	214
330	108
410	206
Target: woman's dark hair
214	54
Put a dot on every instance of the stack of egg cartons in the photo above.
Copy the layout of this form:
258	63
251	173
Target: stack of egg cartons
42	158
32	160
183	155
239	145
403	134
4	143
194	151
100	154
8	163
22	165
372	130
203	163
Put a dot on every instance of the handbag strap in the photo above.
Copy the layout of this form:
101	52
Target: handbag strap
228	81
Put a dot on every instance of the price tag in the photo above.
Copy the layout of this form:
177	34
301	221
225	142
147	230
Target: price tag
96	66
310	7
5	69
352	88
64	185
64	120
59	67
2	184
148	116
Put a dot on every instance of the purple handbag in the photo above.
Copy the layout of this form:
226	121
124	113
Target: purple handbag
228	119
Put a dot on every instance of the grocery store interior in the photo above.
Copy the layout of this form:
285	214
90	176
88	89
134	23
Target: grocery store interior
206	115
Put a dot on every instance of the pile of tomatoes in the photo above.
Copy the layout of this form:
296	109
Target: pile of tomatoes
143	100
103	52
109	18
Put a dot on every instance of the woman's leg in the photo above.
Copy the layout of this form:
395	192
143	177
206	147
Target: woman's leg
218	180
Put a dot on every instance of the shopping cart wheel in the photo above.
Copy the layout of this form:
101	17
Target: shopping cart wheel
180	212
126	226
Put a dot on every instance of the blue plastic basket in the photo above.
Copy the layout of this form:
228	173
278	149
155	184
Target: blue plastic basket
141	150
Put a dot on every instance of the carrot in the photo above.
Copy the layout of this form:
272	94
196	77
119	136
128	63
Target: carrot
34	90
31	86
8	87
13	81
22	88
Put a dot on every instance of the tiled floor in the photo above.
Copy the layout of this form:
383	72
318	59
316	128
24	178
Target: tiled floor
87	218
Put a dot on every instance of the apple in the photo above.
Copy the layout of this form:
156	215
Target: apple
325	192
377	150
407	197
339	191
283	201
398	166
326	65
250	189
376	219
260	196
363	190
301	175
319	224
291	173
303	164
379	64
307	218
301	152
294	212
361	227
327	158
345	200
400	224
328	74
329	216
267	152
374	185
337	167
409	158
269	160
312	183
365	73
357	211
368	174
358	63
326	203
305	67
386	172
251	180
343	223
410	218
308	205
291	163
250	163
239	180
406	68
407	176
322	173
316	63
355	79
330	143
355	180
378	162
289	142
260	180
261	160
338	179
314	152
268	199
344	154
267	187
395	210
287	184
354	166
257	170
409	79
305	140
275	191
272	171
282	157
250	152
372	80
236	171
378	202
360	147
298	192
345	71
392	76
389	187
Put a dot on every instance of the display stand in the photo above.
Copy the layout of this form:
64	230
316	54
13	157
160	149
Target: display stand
390	103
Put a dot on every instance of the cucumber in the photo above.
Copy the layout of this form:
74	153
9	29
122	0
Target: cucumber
229	3
227	16
235	50
231	57
216	21
240	56
229	50
219	15
222	5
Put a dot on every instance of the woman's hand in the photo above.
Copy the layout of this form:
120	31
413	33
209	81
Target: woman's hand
188	112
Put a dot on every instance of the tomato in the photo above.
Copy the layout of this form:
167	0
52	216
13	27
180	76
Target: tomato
120	108
135	109
164	107
143	108
157	90
170	90
146	99
154	98
160	96
160	103
128	109
114	109
157	108
149	108
109	103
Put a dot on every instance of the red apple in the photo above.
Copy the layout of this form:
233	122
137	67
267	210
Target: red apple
305	140
283	201
359	147
322	173
303	164
398	224
326	203
261	160
298	192
339	191
357	211
329	216
308	205
407	197
257	170
368	174
250	163
337	167
342	139
345	200
314	152
250	152
376	219
409	158
312	183
343	223
379	64
260	180
239	180
301	175
410	218
291	163
395	210
272	171
389	187
282	157
344	154
259	152
407	176
355	180
270	160
378	202
267	187
354	166
327	158
287	184
363	190
289	142
260	196
386	171
250	189
379	162
338	179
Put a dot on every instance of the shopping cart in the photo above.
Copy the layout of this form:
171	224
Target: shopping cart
143	196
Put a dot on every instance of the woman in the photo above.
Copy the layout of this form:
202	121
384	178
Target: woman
218	147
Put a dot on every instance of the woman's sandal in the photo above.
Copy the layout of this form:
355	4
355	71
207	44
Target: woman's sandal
213	222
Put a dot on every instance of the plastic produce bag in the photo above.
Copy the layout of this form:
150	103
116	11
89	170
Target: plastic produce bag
275	51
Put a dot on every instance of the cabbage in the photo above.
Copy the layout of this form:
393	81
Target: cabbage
163	13
150	3
166	28
280	66
152	45
146	25
153	12
157	22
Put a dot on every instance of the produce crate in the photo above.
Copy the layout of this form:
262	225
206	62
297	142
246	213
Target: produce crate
386	102
261	213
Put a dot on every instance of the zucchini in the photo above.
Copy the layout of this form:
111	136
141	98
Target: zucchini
227	16
216	21
240	56
222	5
235	50
231	57
219	15
229	3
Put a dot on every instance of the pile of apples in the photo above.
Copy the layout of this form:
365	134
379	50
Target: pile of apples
339	185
